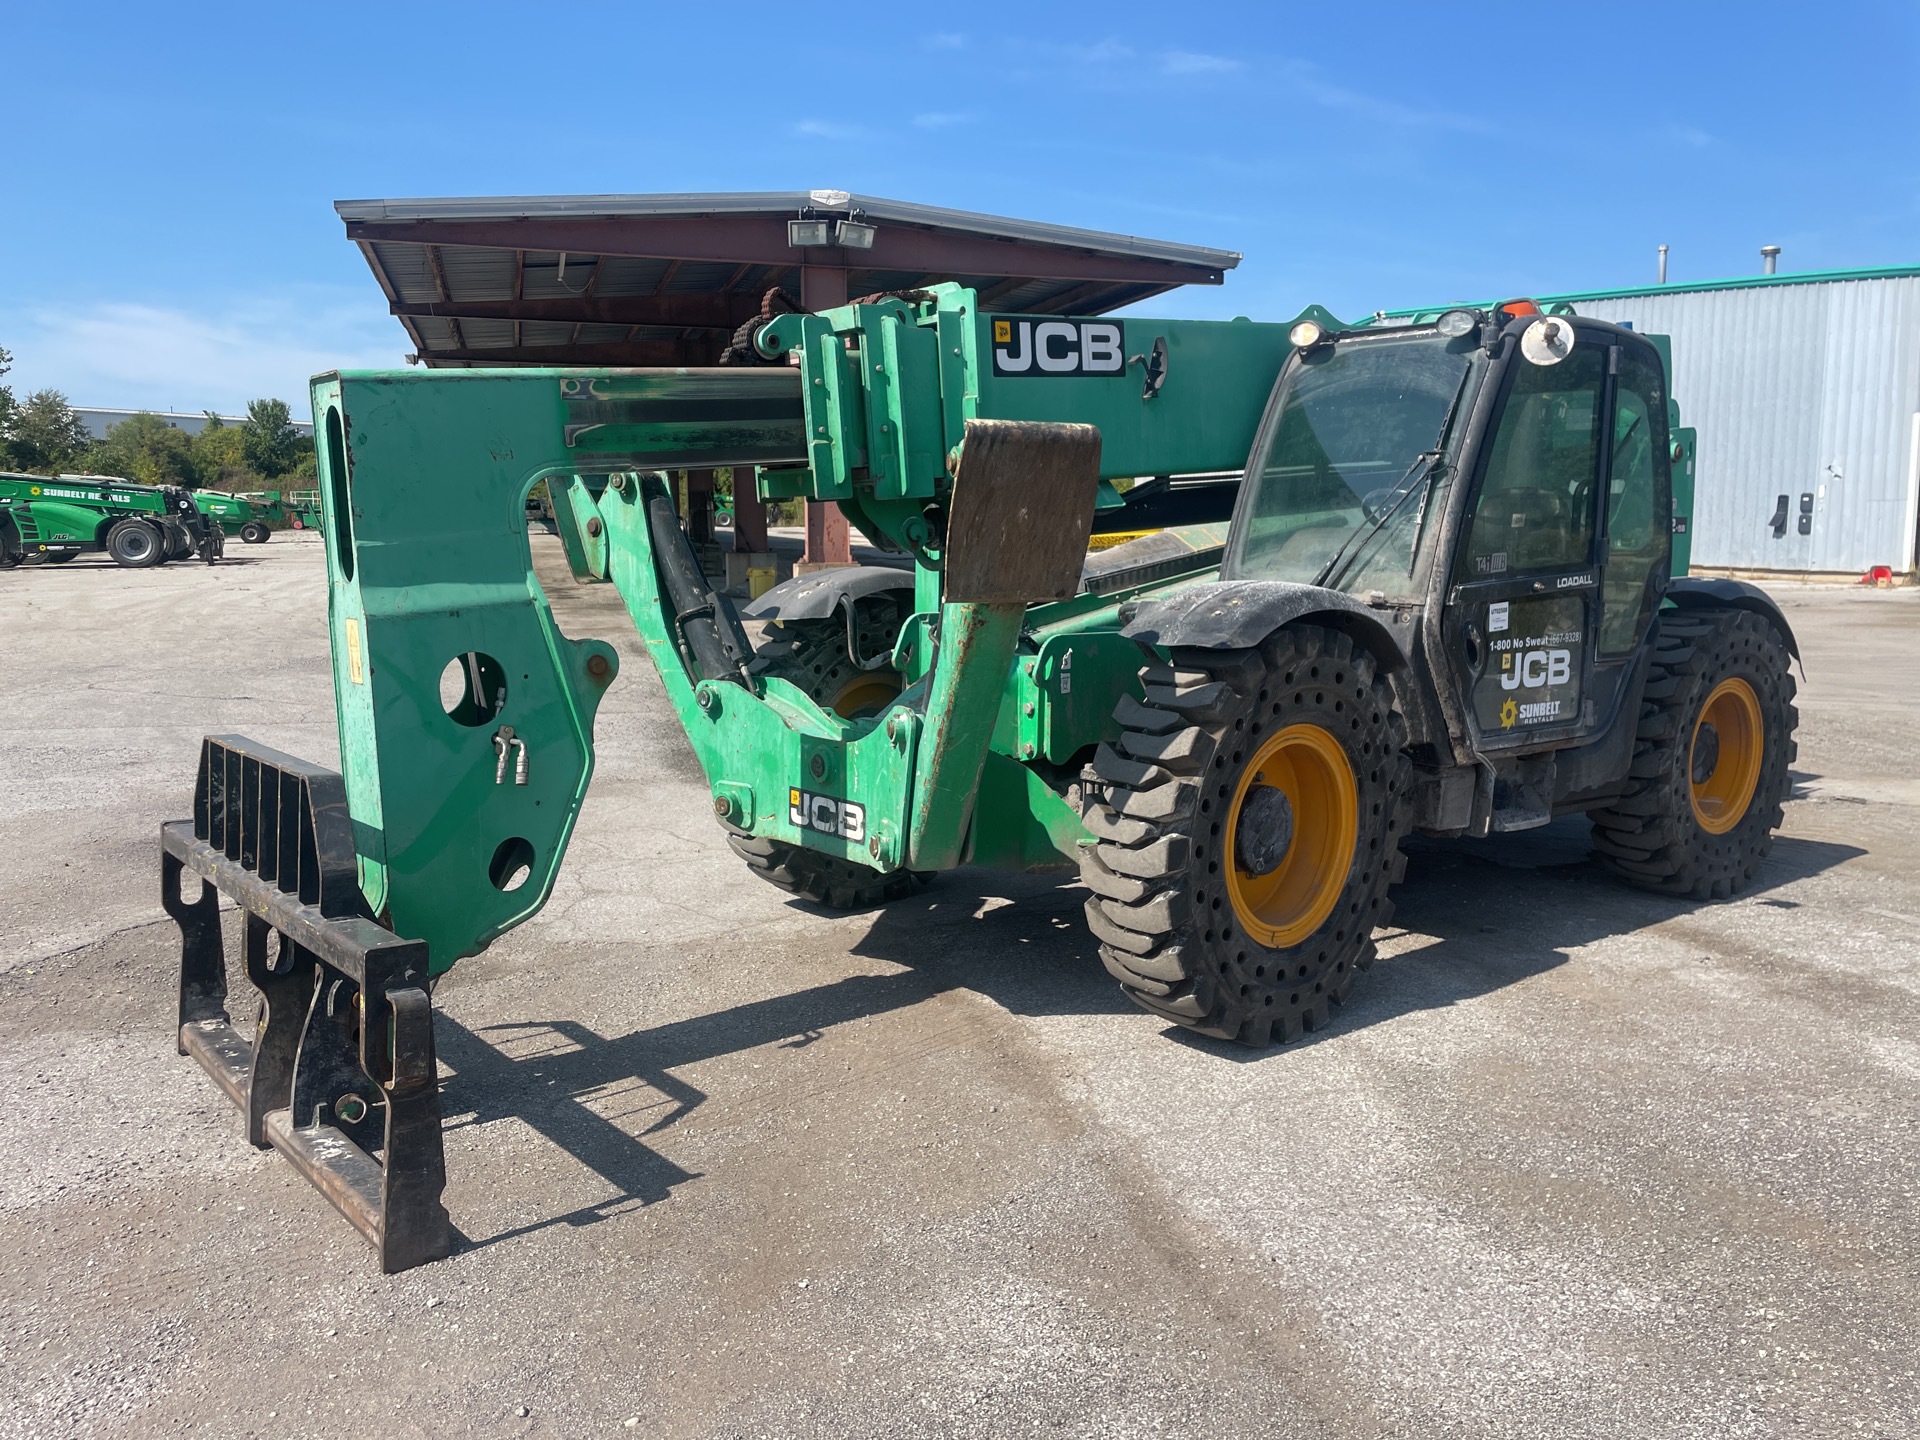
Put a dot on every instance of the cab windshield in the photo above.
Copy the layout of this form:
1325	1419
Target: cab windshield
1343	442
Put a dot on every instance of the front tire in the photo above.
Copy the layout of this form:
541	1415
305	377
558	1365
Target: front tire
1709	774
1247	828
136	544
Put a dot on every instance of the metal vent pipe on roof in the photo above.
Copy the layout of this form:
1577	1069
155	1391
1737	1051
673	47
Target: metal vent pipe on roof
1663	266
1769	259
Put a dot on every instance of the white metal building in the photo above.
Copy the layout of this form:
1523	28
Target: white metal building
99	420
1805	387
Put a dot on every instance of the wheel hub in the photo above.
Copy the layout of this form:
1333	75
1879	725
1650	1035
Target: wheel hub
1265	832
1706	753
1725	755
1292	828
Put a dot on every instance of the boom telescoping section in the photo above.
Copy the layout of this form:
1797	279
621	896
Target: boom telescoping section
981	444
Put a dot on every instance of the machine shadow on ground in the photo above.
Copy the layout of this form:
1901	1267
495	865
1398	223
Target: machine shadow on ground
542	1073
1493	914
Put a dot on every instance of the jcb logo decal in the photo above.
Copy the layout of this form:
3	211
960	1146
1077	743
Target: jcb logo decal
1535	668
1059	347
827	815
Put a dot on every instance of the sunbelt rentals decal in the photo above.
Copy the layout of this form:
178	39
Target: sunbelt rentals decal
1534	647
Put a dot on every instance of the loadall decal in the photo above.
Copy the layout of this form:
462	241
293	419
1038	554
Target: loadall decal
1532	673
1035	346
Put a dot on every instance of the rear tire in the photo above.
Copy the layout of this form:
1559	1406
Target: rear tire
812	655
254	533
1194	934
1709	774
136	544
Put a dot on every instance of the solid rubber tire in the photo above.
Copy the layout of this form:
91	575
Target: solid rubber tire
1649	836
1156	802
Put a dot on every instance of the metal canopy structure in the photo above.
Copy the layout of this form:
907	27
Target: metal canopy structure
665	279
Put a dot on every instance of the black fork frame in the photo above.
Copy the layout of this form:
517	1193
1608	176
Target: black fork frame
341	1063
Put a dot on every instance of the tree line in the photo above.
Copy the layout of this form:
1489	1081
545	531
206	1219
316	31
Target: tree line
42	435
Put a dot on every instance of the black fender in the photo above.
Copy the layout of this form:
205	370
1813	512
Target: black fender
1238	614
818	596
1703	592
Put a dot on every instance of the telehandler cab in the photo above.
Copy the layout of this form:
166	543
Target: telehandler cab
1443	602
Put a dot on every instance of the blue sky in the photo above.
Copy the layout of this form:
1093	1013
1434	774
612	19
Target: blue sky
167	237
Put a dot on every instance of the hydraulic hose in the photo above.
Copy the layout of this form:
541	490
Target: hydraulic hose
708	626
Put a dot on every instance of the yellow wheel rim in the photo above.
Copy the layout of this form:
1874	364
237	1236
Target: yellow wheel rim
866	694
1723	792
1290	902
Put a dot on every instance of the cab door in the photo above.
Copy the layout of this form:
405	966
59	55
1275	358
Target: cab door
1523	606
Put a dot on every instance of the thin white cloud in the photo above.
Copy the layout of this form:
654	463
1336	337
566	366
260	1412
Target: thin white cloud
828	130
946	40
1193	62
1691	136
942	119
130	355
1310	86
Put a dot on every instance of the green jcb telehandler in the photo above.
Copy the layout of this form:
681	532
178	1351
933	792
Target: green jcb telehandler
48	520
1442	601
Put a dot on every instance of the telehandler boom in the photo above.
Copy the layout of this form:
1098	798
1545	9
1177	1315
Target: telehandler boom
1443	601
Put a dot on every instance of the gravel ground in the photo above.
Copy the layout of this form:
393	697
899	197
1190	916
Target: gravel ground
1575	1161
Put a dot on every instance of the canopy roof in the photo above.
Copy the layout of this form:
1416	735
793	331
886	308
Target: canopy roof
665	279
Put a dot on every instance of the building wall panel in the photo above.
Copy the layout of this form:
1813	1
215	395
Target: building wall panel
1796	390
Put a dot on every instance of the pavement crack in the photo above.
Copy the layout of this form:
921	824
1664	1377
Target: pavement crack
87	944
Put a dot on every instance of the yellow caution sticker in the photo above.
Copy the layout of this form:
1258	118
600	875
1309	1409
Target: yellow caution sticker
356	671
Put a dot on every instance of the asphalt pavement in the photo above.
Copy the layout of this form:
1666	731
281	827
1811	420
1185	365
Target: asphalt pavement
1574	1161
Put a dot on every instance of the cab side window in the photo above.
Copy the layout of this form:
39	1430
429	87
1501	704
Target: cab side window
1536	507
1639	504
